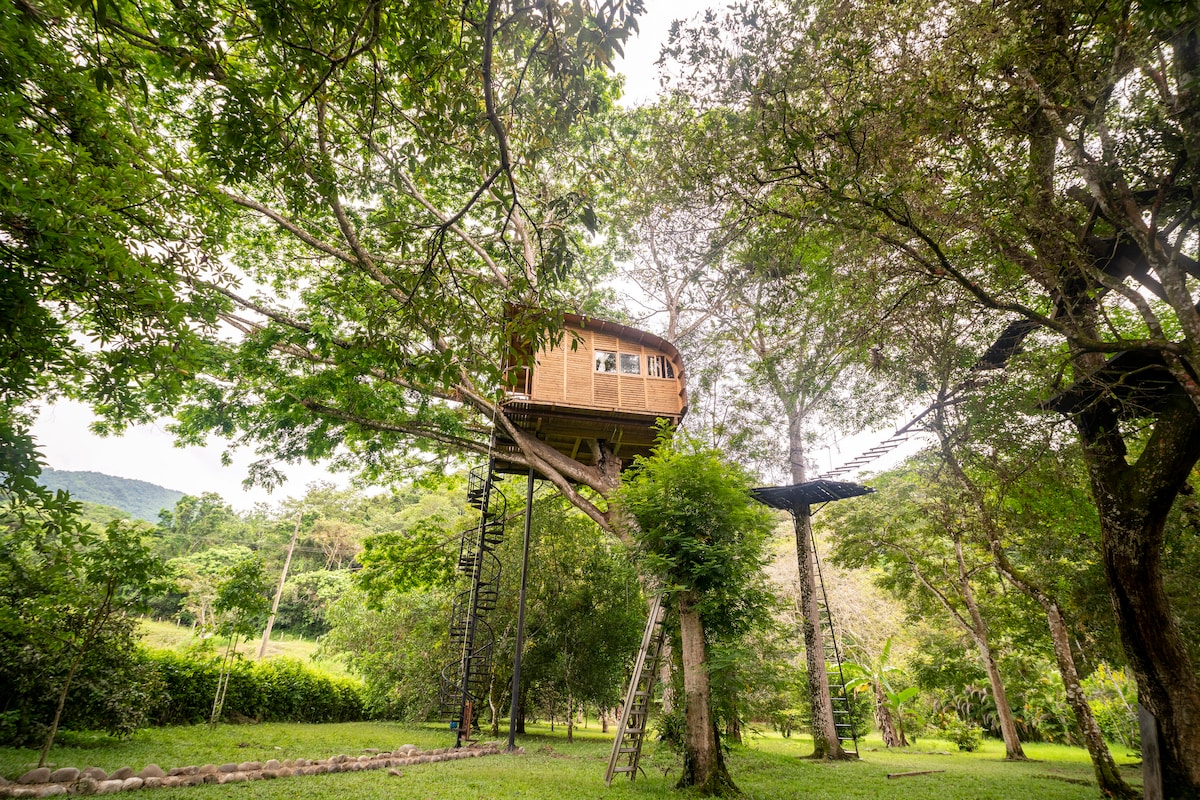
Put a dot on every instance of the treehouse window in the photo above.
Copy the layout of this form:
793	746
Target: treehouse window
659	367
631	364
606	361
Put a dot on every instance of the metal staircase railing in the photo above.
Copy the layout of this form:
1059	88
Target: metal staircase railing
465	681
635	712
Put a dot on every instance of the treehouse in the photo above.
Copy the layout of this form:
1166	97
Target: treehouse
598	381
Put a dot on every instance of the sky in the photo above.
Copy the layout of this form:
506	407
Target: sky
149	453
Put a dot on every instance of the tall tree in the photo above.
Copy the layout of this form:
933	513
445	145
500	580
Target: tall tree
1038	160
929	559
410	194
998	479
759	299
704	537
802	360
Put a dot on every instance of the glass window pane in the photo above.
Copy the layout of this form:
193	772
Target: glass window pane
606	361
631	364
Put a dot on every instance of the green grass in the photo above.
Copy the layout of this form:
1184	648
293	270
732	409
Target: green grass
767	767
169	636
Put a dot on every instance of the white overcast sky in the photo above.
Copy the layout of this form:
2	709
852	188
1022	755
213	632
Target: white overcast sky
149	453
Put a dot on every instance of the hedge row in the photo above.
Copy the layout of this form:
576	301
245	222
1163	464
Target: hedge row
277	690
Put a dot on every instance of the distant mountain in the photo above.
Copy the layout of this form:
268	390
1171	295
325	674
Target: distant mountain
139	499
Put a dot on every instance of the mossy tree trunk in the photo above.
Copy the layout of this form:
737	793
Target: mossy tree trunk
703	766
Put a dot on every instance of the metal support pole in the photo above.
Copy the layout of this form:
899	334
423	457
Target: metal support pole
514	708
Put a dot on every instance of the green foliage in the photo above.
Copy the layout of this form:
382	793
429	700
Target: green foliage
101	240
196	523
241	603
196	578
275	690
759	676
584	614
307	596
423	556
1113	697
397	647
699	530
583	619
401	172
963	734
67	603
869	676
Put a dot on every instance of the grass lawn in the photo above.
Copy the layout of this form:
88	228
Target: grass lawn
169	636
768	767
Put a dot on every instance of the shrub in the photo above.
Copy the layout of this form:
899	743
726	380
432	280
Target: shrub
278	690
963	734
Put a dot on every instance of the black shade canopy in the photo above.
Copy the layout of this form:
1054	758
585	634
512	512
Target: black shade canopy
808	493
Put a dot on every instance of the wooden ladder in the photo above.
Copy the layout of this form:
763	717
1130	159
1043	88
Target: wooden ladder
635	713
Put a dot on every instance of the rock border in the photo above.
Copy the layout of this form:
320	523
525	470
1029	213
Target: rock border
43	782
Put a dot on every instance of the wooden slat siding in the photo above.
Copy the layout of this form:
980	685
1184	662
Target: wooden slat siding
662	394
633	392
580	369
568	377
548	376
607	393
606	388
604	341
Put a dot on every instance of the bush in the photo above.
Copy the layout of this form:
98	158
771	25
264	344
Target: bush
964	734
109	692
278	690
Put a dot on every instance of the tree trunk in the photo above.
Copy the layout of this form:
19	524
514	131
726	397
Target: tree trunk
1158	658
570	720
883	719
1008	725
733	726
703	765
666	662
1107	777
824	732
1133	502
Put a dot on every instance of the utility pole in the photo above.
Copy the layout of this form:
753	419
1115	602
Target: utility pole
287	562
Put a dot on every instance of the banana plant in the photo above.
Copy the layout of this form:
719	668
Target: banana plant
876	675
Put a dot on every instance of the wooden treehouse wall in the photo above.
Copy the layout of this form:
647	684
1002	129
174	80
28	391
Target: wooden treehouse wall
570	377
